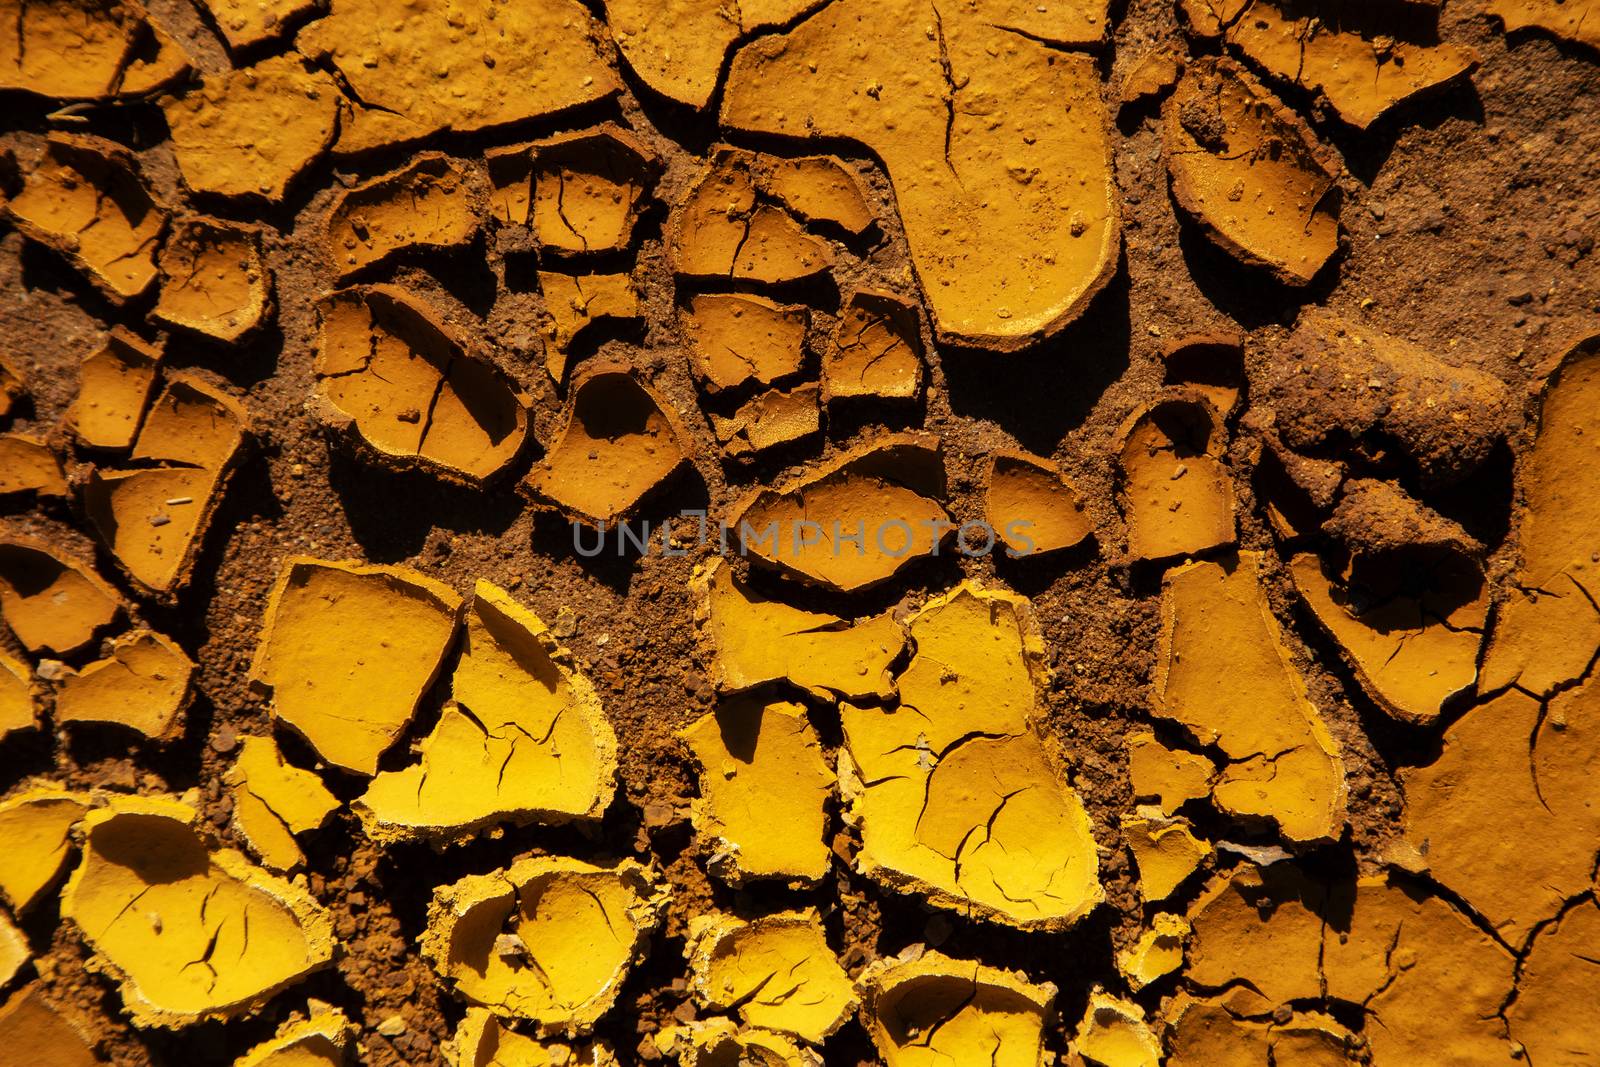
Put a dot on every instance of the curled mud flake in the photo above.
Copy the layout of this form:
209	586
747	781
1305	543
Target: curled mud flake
114	386
36	839
1356	63
956	796
727	228
937	1010
153	517
324	1040
820	189
1209	364
249	132
1558	973
1209	19
213	279
1506	815
392	373
1547	629
84	197
575	302
1168	776
482	1040
1203	1033
1572	20
143	685
876	350
1031	507
1413	641
761	765
29	465
775	972
510	172
1343	382
771	420
581	929
749	641
525	739
589	187
28	1023
19	696
854	521
52	603
720	1042
189	935
1250	172
1113	1033
1225	675
347	652
677	49
85	49
1165	852
1013	227
620	440
1151	76
1177	494
273	801
1157	953
736	339
432	202
1237	916
436	66
247	23
14	952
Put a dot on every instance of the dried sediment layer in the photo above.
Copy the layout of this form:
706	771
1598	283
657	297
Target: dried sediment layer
432	202
933	1009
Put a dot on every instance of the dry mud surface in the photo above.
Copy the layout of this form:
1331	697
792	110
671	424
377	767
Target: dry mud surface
1264	335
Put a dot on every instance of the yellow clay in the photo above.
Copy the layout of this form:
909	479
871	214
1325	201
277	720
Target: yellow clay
771	420
1157	953
1165	852
1176	492
35	837
273	801
114	386
51	602
28	465
86	50
324	1040
143	685
932	1011
50	1038
1170	777
736	339
1113	1033
776	972
213	278
573	303
431	202
1031	507
19	704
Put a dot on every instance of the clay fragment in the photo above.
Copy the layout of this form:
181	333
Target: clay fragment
1169	776
761	765
934	1009
35	837
748	641
1013	227
1558	972
678	50
324	1040
153	517
1113	1033
1205	1033
19	698
574	929
485	65
957	798
482	1040
1031	507
771	420
188	935
347	652
775	972
718	1042
432	202
28	1021
877	349
854	521
143	685
1547	628
619	440
821	189
1225	675
1209	364
1250	172
14	950
29	465
1572	20
1356	63
1157	953
114	386
247	23
273	801
86	50
85	198
51	602
1152	75
728	227
588	189
213	278
250	132
736	339
1165	852
1176	492
575	302
524	740
411	389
